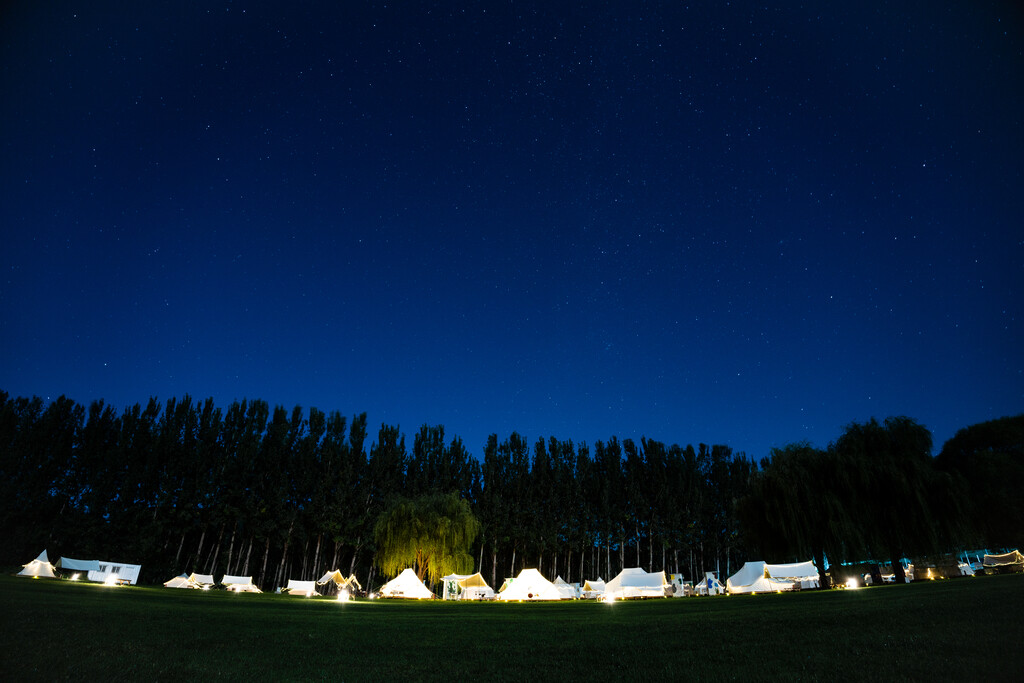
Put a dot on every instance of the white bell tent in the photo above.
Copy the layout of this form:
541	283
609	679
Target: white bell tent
406	585
39	568
529	585
569	591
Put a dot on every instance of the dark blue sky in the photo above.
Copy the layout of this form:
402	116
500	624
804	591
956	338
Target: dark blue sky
724	224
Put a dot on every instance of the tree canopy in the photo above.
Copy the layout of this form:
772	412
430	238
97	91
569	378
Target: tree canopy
432	533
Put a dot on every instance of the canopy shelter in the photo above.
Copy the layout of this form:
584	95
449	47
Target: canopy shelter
182	581
636	583
304	588
72	565
568	590
343	584
761	577
406	585
239	584
593	589
466	587
203	581
39	568
1010	559
529	585
115	572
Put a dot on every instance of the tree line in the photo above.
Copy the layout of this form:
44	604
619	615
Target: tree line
187	486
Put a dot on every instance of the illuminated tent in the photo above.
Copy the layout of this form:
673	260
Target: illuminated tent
306	588
529	585
636	583
1010	559
39	567
466	587
204	581
406	585
109	572
567	590
182	581
239	584
348	585
761	577
593	589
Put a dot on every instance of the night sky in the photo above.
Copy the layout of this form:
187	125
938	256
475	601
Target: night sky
728	223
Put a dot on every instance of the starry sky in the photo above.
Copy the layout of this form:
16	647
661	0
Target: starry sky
729	222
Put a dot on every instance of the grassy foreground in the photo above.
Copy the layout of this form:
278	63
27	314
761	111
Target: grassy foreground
967	629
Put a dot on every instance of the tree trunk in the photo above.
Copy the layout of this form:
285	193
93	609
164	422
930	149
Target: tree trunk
512	572
199	549
480	562
231	548
897	569
305	557
216	551
316	556
266	555
819	561
284	553
352	566
248	553
494	568
177	556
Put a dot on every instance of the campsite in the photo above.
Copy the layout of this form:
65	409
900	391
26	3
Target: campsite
951	629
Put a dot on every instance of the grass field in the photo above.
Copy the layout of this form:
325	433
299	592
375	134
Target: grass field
965	629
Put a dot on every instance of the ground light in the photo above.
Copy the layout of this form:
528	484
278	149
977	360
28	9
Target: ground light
852	583
110	580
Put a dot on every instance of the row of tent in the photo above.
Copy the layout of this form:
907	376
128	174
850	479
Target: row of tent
98	571
530	585
243	584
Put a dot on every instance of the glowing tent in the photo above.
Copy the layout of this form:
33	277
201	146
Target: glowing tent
305	588
344	585
567	590
406	585
239	584
529	585
1005	561
593	589
466	587
39	567
636	583
761	577
203	581
182	581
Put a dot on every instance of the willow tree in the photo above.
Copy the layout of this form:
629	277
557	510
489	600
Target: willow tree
432	533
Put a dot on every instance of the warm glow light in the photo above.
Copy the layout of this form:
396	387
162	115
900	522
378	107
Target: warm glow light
74	577
852	583
110	580
608	599
344	597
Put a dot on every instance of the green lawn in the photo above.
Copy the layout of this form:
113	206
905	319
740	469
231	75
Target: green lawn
966	629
